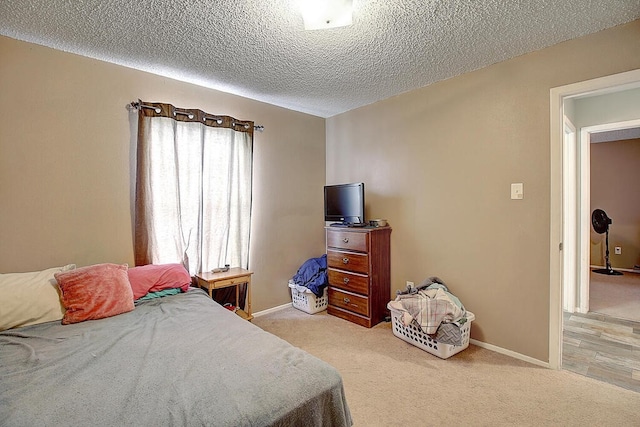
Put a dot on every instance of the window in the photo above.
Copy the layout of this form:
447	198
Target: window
193	188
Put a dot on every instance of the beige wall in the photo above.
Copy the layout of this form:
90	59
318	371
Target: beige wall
615	180
65	166
438	163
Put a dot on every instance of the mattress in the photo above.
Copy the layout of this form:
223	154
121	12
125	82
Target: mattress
172	361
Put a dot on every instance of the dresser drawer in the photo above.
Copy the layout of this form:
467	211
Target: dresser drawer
357	283
348	301
350	261
350	240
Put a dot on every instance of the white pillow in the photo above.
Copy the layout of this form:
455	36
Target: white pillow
30	298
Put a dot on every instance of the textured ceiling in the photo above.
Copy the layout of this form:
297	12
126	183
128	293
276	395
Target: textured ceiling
259	49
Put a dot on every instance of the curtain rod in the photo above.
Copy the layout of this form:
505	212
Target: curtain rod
136	105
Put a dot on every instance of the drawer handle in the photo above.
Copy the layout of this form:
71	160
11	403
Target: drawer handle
345	240
345	280
345	260
346	300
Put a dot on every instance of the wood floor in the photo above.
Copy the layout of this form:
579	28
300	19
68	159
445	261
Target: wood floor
602	347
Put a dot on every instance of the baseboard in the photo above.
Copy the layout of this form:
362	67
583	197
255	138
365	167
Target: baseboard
510	353
272	309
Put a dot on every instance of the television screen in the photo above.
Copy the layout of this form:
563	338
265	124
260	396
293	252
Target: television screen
344	203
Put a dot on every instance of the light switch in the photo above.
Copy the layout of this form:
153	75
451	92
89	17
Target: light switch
517	191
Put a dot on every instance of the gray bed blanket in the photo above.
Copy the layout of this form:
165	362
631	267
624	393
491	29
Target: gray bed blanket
180	360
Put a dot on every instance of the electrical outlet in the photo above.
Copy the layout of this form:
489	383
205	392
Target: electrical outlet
410	285
618	250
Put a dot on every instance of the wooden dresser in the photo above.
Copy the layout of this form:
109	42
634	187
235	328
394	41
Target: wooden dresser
359	268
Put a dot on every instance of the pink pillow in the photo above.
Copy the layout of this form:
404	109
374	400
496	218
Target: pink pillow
94	292
158	277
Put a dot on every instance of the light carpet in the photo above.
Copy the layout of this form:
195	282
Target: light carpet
389	382
616	296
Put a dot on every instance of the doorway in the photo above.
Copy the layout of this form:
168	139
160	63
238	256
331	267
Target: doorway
577	210
561	269
600	310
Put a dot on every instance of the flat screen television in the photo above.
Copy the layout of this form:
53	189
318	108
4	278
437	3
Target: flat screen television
344	204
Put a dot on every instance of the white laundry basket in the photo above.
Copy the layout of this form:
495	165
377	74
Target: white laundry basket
414	335
307	301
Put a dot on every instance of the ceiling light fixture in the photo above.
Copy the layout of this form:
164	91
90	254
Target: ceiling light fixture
322	14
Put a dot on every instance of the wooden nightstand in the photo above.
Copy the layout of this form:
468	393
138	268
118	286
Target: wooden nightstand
233	277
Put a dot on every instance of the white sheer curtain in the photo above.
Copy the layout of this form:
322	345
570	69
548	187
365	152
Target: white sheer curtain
193	188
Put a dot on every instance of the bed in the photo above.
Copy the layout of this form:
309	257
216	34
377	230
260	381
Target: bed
174	360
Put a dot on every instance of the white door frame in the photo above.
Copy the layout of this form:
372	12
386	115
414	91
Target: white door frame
585	205
570	247
630	79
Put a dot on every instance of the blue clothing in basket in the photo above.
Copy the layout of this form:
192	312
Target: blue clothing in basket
312	274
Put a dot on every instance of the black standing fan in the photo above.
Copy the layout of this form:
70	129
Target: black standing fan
600	222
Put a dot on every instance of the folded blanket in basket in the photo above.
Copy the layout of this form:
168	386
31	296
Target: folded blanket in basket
450	333
432	282
429	308
432	308
312	274
301	289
